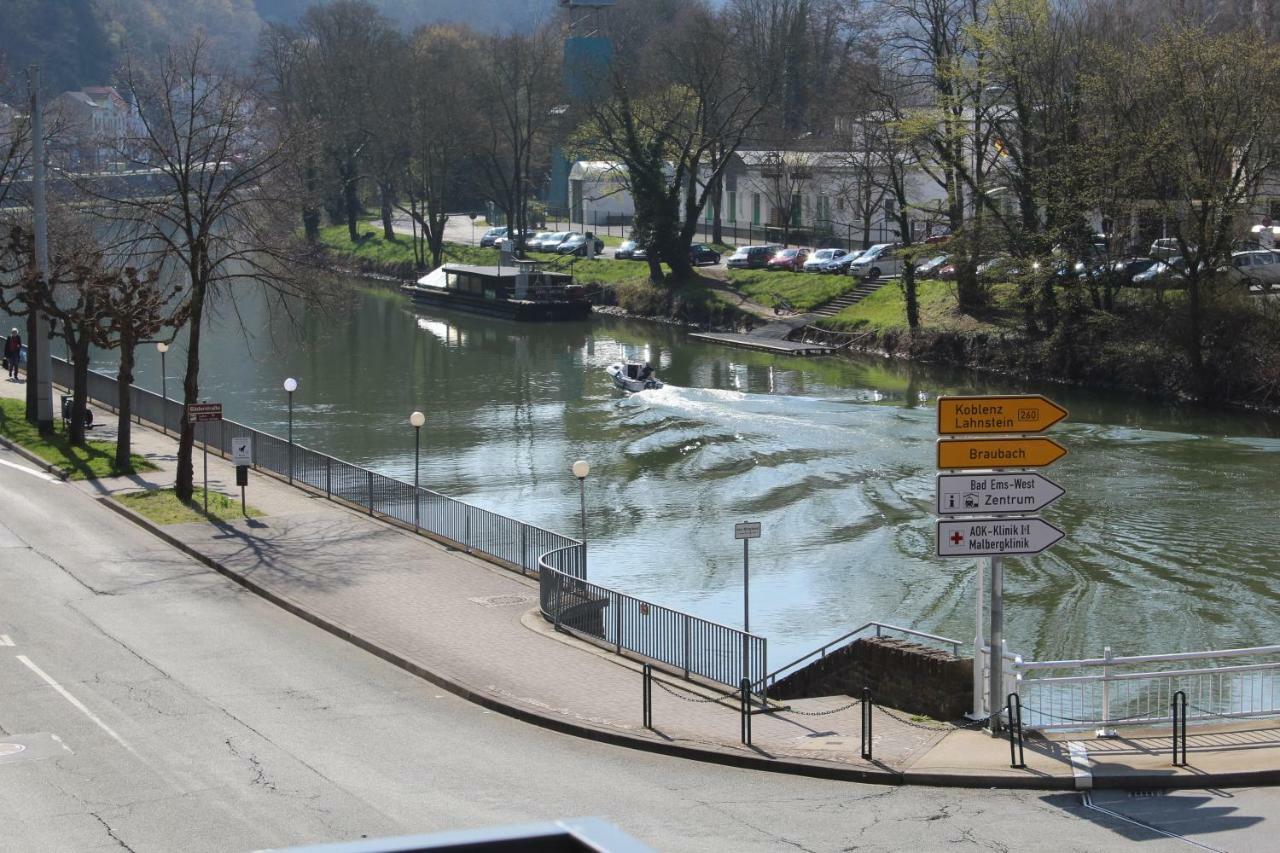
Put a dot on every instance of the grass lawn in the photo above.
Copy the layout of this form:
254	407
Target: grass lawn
163	507
886	309
373	247
91	462
802	290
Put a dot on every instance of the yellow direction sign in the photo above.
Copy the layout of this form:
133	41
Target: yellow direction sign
998	452
997	414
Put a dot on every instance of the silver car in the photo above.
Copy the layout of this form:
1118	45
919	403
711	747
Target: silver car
879	260
819	260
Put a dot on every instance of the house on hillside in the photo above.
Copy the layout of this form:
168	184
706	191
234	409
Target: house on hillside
95	127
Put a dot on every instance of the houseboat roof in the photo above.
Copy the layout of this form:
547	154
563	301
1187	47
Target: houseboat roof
496	272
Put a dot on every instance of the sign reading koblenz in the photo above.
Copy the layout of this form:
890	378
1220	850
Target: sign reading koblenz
1015	413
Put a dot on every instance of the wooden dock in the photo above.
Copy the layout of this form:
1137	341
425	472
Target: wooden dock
756	342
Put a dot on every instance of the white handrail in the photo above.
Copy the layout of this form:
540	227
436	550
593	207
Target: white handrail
1176	656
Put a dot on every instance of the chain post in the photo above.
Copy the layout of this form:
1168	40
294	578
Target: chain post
745	689
866	723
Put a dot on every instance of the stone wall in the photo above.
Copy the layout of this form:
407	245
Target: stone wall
903	675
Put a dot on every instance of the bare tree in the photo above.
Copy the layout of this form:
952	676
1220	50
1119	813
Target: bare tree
516	86
220	190
442	132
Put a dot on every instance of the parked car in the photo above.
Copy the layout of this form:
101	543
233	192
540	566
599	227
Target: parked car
576	244
1260	268
930	267
752	257
880	259
1173	269
489	237
626	251
1166	248
701	253
1127	269
535	243
552	241
818	261
506	239
840	265
1002	268
789	259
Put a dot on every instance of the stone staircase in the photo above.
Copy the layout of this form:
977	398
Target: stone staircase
852	297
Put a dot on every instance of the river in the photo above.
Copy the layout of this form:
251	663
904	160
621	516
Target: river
1172	513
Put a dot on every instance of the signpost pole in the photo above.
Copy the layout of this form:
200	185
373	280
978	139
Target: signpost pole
979	685
746	608
205	431
996	668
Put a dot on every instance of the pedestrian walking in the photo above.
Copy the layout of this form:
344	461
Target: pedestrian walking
12	353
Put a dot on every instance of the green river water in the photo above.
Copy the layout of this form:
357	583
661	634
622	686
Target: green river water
1172	513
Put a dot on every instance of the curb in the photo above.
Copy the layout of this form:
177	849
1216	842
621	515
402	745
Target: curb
47	467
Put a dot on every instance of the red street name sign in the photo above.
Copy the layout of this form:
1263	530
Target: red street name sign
197	412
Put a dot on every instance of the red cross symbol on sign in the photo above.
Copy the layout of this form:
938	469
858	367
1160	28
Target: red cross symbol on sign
956	538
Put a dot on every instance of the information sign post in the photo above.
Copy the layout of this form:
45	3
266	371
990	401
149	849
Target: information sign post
203	413
746	531
985	508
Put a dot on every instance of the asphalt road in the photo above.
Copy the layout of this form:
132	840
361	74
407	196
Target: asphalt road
163	708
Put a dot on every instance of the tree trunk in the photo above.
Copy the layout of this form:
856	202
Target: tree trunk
79	387
184	486
388	233
655	267
717	227
33	378
909	294
351	205
1195	342
124	403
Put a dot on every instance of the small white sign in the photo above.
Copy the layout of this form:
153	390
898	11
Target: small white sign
241	450
746	530
995	537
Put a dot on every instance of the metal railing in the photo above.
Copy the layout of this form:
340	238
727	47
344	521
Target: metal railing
853	636
480	531
1108	692
681	640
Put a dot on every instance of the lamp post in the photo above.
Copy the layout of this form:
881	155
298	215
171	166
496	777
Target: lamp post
417	419
290	385
581	469
163	348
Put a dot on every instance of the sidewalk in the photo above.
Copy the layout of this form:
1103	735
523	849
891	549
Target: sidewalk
474	628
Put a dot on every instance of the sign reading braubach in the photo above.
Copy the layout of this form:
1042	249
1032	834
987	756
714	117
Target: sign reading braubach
1030	452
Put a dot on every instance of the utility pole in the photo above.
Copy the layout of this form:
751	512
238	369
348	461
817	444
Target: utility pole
39	357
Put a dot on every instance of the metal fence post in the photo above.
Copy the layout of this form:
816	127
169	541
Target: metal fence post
369	482
328	493
253	447
617	623
686	645
1013	706
1179	703
524	549
647	695
466	527
1105	730
866	723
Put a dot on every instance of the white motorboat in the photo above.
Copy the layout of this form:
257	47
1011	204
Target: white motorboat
630	376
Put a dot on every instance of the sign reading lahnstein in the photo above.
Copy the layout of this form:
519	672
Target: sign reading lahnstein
995	537
997	414
995	494
1033	452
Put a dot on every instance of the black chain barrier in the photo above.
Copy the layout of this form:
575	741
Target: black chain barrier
702	701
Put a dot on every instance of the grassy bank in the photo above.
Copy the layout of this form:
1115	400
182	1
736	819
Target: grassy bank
161	506
802	291
886	310
96	459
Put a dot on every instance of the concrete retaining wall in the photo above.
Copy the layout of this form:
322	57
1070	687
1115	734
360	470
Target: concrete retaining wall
903	675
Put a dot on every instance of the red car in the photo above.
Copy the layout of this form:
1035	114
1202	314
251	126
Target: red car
789	259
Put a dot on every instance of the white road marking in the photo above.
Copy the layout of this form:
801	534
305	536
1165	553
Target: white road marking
32	471
6	640
76	703
1089	804
1080	765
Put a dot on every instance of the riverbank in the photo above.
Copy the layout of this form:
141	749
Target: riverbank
1139	345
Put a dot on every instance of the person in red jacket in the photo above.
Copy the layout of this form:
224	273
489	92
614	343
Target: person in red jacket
13	353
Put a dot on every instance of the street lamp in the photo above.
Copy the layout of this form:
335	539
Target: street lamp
417	419
291	385
581	469
163	348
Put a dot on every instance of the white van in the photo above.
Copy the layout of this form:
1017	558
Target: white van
880	260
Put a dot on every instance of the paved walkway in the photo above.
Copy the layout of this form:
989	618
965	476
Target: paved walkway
475	628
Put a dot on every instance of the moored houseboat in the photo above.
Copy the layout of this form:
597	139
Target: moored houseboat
519	292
